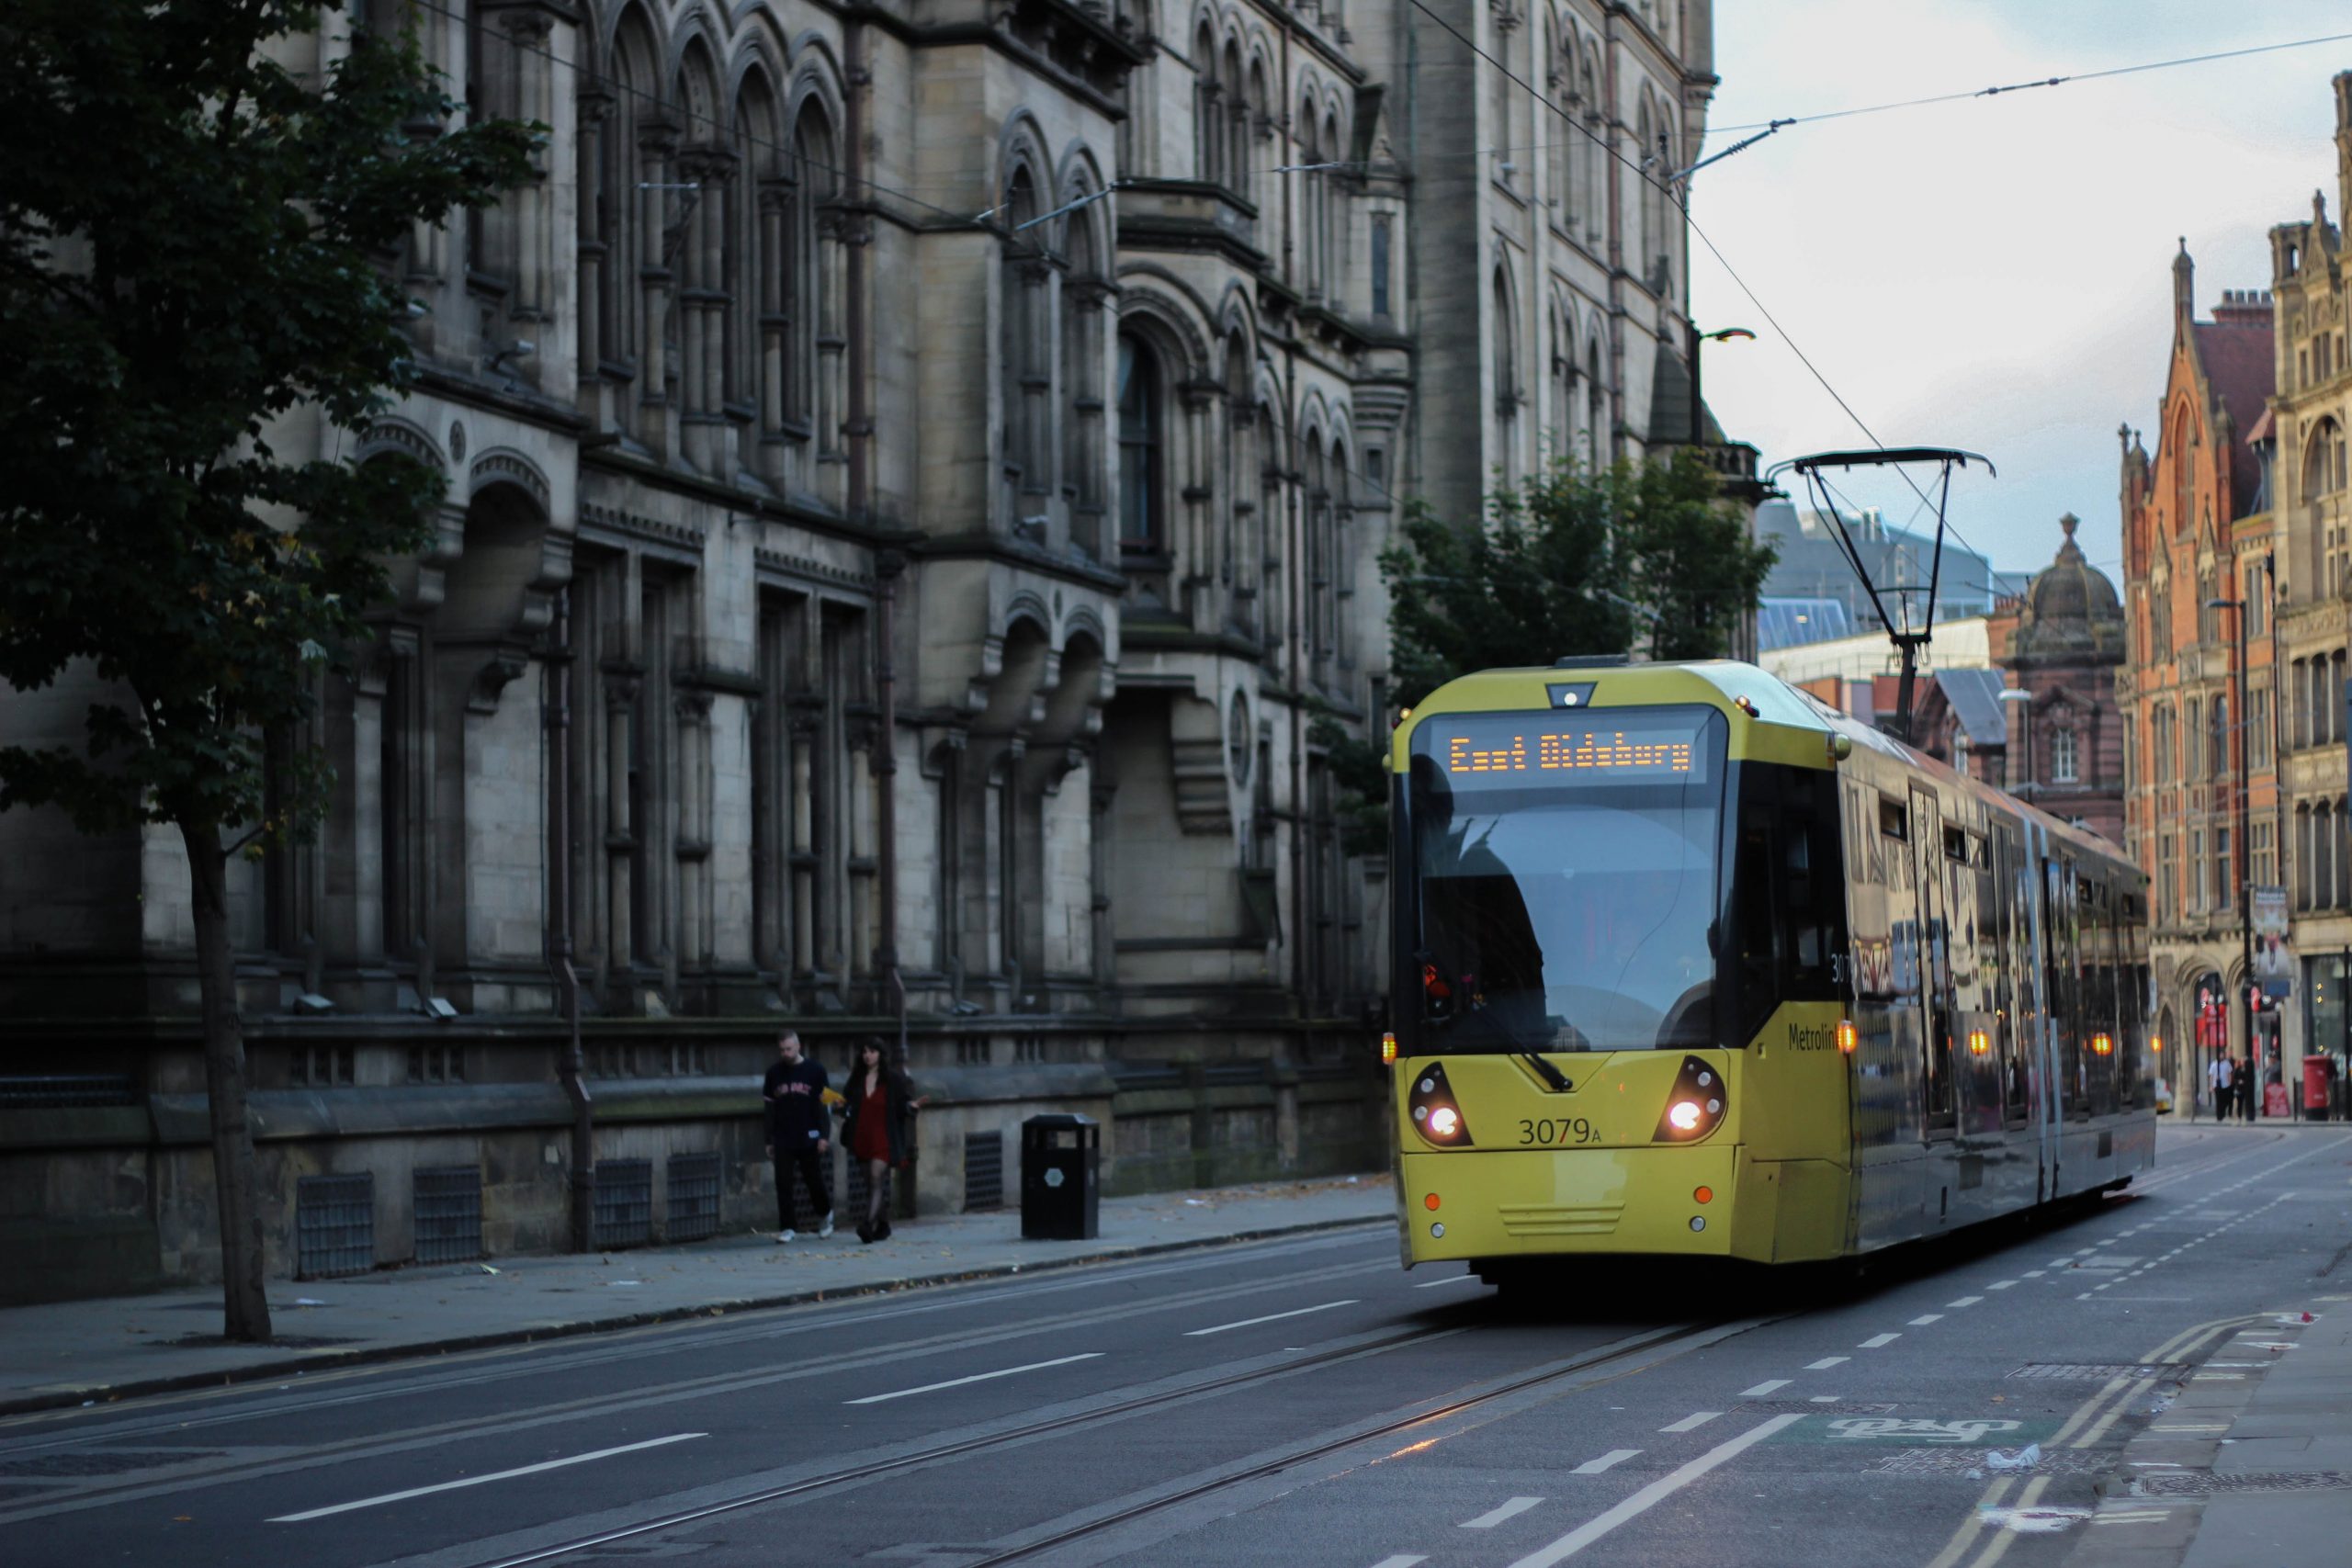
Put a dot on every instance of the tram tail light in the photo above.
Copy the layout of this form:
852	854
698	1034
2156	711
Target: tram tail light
1979	1042
2102	1046
1388	1050
1846	1036
1435	1115
1696	1107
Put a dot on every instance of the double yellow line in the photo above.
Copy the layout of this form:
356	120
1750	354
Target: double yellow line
2089	1423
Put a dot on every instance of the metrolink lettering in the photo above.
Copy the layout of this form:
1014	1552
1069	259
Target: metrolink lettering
1587	752
1813	1037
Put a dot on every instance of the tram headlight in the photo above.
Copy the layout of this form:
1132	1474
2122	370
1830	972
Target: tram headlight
1436	1117
1696	1106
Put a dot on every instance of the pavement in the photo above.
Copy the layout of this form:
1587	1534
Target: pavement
91	1352
2249	1465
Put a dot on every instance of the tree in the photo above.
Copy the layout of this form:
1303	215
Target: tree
1574	560
193	234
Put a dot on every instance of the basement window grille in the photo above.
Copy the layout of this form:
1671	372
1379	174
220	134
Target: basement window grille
334	1225
623	1202
693	1198
449	1213
983	1170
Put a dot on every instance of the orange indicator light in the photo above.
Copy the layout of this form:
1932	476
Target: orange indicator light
1979	1042
1387	1049
2101	1045
1704	1194
1846	1035
1430	1202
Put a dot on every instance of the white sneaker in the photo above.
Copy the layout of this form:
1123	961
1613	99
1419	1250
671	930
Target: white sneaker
783	1236
825	1228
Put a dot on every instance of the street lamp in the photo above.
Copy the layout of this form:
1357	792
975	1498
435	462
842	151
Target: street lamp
2239	865
2025	727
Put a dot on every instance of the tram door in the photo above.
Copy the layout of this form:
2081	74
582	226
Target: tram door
1939	1111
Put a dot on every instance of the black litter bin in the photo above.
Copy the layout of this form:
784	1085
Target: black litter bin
1061	1187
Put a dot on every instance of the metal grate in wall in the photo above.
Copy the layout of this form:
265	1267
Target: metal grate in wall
334	1225
624	1202
693	1198
60	1091
449	1213
984	1170
855	1191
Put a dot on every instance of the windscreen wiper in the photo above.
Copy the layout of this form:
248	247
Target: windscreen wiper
1551	1075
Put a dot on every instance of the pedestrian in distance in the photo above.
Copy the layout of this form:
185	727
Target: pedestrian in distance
2223	1096
801	1132
878	1126
2246	1088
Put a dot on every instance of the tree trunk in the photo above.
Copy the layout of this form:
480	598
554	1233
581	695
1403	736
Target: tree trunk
246	1309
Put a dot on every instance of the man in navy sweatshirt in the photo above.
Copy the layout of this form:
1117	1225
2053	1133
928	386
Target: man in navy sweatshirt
799	1132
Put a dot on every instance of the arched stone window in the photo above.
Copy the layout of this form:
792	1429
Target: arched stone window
1563	384
1028	356
1236	130
1329	241
1086	292
621	216
1505	331
1208	120
1320	553
1595	405
1595	145
1142	441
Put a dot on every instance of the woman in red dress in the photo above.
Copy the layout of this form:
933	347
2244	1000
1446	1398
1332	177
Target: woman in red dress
879	1130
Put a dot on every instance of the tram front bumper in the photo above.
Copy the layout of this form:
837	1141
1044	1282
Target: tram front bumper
1677	1201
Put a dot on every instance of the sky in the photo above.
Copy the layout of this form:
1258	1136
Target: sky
1994	274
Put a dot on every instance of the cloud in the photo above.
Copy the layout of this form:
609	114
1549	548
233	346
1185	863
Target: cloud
1993	274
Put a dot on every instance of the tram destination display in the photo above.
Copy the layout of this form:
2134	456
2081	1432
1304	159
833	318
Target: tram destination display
1595	747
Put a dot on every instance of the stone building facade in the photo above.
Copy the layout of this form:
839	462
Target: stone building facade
914	474
2061	645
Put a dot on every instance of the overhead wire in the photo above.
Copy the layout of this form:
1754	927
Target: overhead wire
2057	81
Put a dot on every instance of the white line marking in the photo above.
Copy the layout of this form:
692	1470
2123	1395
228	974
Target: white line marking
1402	1560
2000	1285
1614	1457
1493	1516
1926	1318
1270	1317
1877	1340
2035	1273
481	1480
1650	1496
1826	1362
1964	1301
976	1377
1761	1389
1456	1280
1698	1418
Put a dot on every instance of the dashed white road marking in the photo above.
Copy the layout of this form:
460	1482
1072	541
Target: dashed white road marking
976	1377
1926	1318
1455	1280
2000	1285
2034	1273
1402	1560
1270	1317
1964	1301
1826	1362
1697	1419
1761	1389
1877	1340
1650	1496
482	1480
1496	1515
1614	1457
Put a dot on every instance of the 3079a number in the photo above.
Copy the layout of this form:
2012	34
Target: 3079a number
1559	1132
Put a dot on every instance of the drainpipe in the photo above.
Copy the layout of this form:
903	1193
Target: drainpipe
567	978
1616	240
889	564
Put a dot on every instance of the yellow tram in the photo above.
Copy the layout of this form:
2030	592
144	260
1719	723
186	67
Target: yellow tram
1686	962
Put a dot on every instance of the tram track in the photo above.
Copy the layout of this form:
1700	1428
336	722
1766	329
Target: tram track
1674	1337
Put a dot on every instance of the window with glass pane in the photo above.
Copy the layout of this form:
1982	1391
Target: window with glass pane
1138	445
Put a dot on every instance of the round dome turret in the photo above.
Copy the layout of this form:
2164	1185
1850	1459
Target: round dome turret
2070	608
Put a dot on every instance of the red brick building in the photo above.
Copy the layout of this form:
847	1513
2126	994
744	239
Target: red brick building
2197	529
2063	645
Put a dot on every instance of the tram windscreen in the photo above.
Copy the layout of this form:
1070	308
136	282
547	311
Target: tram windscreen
1565	872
